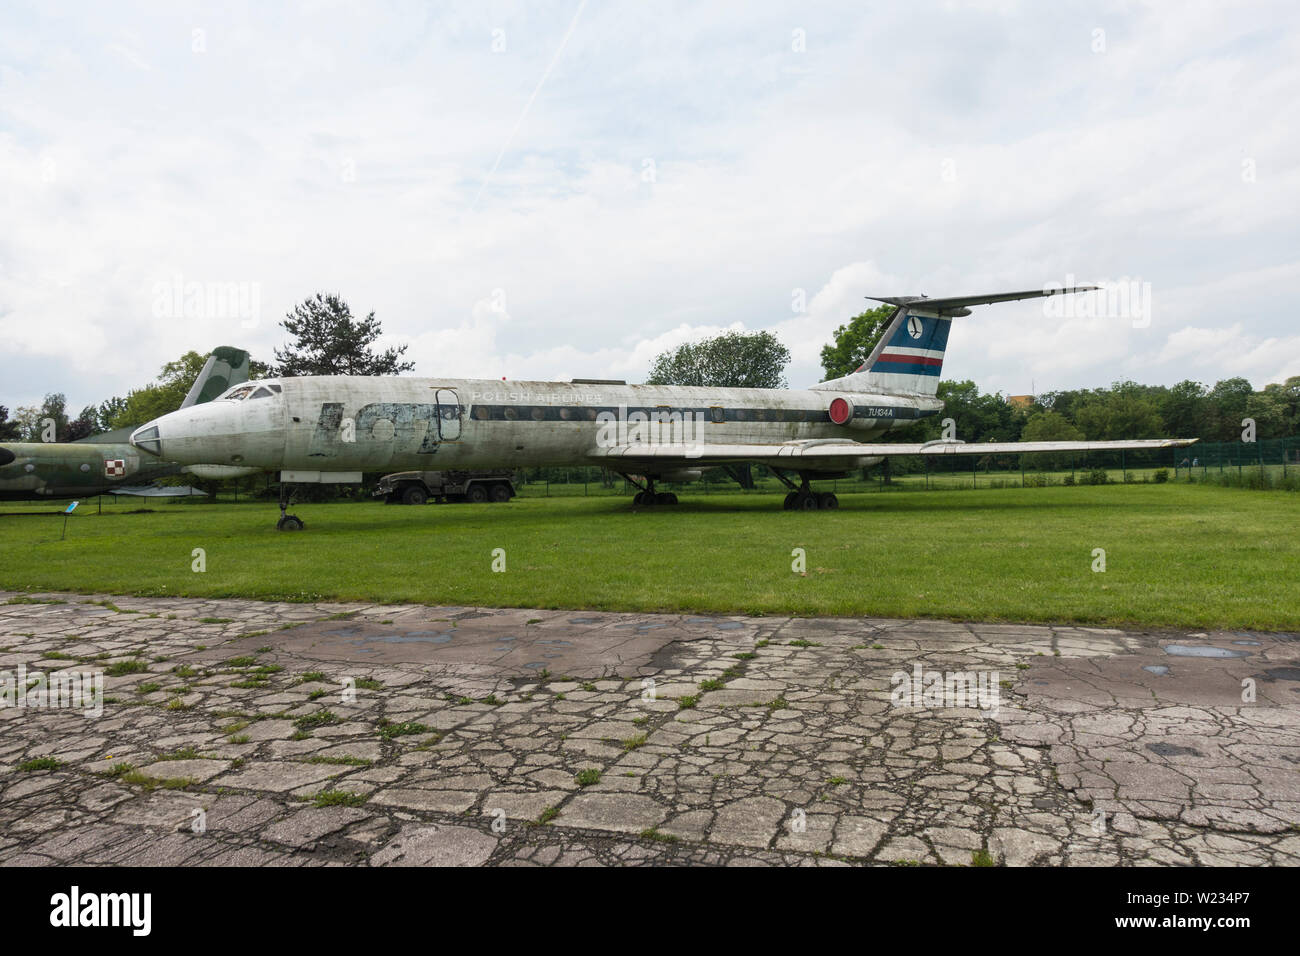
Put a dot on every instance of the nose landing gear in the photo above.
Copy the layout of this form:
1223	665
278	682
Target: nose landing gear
287	522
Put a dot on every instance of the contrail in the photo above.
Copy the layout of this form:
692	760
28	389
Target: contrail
529	105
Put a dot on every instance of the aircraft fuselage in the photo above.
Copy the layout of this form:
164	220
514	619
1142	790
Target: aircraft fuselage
354	423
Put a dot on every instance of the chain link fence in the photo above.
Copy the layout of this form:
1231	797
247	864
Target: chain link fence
1265	464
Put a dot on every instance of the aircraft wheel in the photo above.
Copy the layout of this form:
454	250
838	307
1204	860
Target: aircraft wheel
289	523
414	495
807	501
477	494
789	501
665	498
638	500
500	493
827	501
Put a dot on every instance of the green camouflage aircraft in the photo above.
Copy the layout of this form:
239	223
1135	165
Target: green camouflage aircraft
108	463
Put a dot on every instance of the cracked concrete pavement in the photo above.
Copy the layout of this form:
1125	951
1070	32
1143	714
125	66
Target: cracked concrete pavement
250	732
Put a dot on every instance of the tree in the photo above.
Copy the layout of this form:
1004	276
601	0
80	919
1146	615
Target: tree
1288	393
1049	426
1269	411
84	425
34	423
328	341
1125	411
9	429
1185	411
55	409
855	341
108	412
988	417
730	360
1228	399
27	420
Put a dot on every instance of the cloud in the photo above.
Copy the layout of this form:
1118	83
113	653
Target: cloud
681	171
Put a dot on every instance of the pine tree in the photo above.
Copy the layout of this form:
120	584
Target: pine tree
328	341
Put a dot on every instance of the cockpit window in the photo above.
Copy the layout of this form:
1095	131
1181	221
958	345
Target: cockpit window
251	390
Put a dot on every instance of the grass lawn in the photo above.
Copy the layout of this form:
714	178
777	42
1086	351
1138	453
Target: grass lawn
1177	555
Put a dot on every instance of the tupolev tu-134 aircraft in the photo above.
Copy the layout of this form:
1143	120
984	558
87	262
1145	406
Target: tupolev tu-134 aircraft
332	428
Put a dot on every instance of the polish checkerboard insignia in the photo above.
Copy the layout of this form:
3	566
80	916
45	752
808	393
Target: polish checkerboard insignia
114	467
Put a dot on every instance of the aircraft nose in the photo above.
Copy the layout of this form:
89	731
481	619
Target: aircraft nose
148	439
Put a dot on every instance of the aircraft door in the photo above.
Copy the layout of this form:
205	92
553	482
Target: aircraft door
449	412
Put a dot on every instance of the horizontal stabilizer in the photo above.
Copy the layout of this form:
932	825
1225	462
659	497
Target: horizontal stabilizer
958	303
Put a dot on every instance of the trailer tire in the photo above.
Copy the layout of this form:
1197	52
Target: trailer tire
499	493
414	495
476	494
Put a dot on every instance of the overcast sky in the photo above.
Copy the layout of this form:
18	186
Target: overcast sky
551	190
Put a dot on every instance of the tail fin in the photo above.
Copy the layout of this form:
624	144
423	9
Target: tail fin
909	356
225	367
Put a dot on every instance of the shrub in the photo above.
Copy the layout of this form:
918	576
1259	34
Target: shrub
1161	475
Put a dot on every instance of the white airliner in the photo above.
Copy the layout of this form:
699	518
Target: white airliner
332	428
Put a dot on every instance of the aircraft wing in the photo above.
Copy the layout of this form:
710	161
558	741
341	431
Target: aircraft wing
826	451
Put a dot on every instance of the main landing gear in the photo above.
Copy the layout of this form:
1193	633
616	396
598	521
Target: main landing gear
287	522
803	498
647	496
